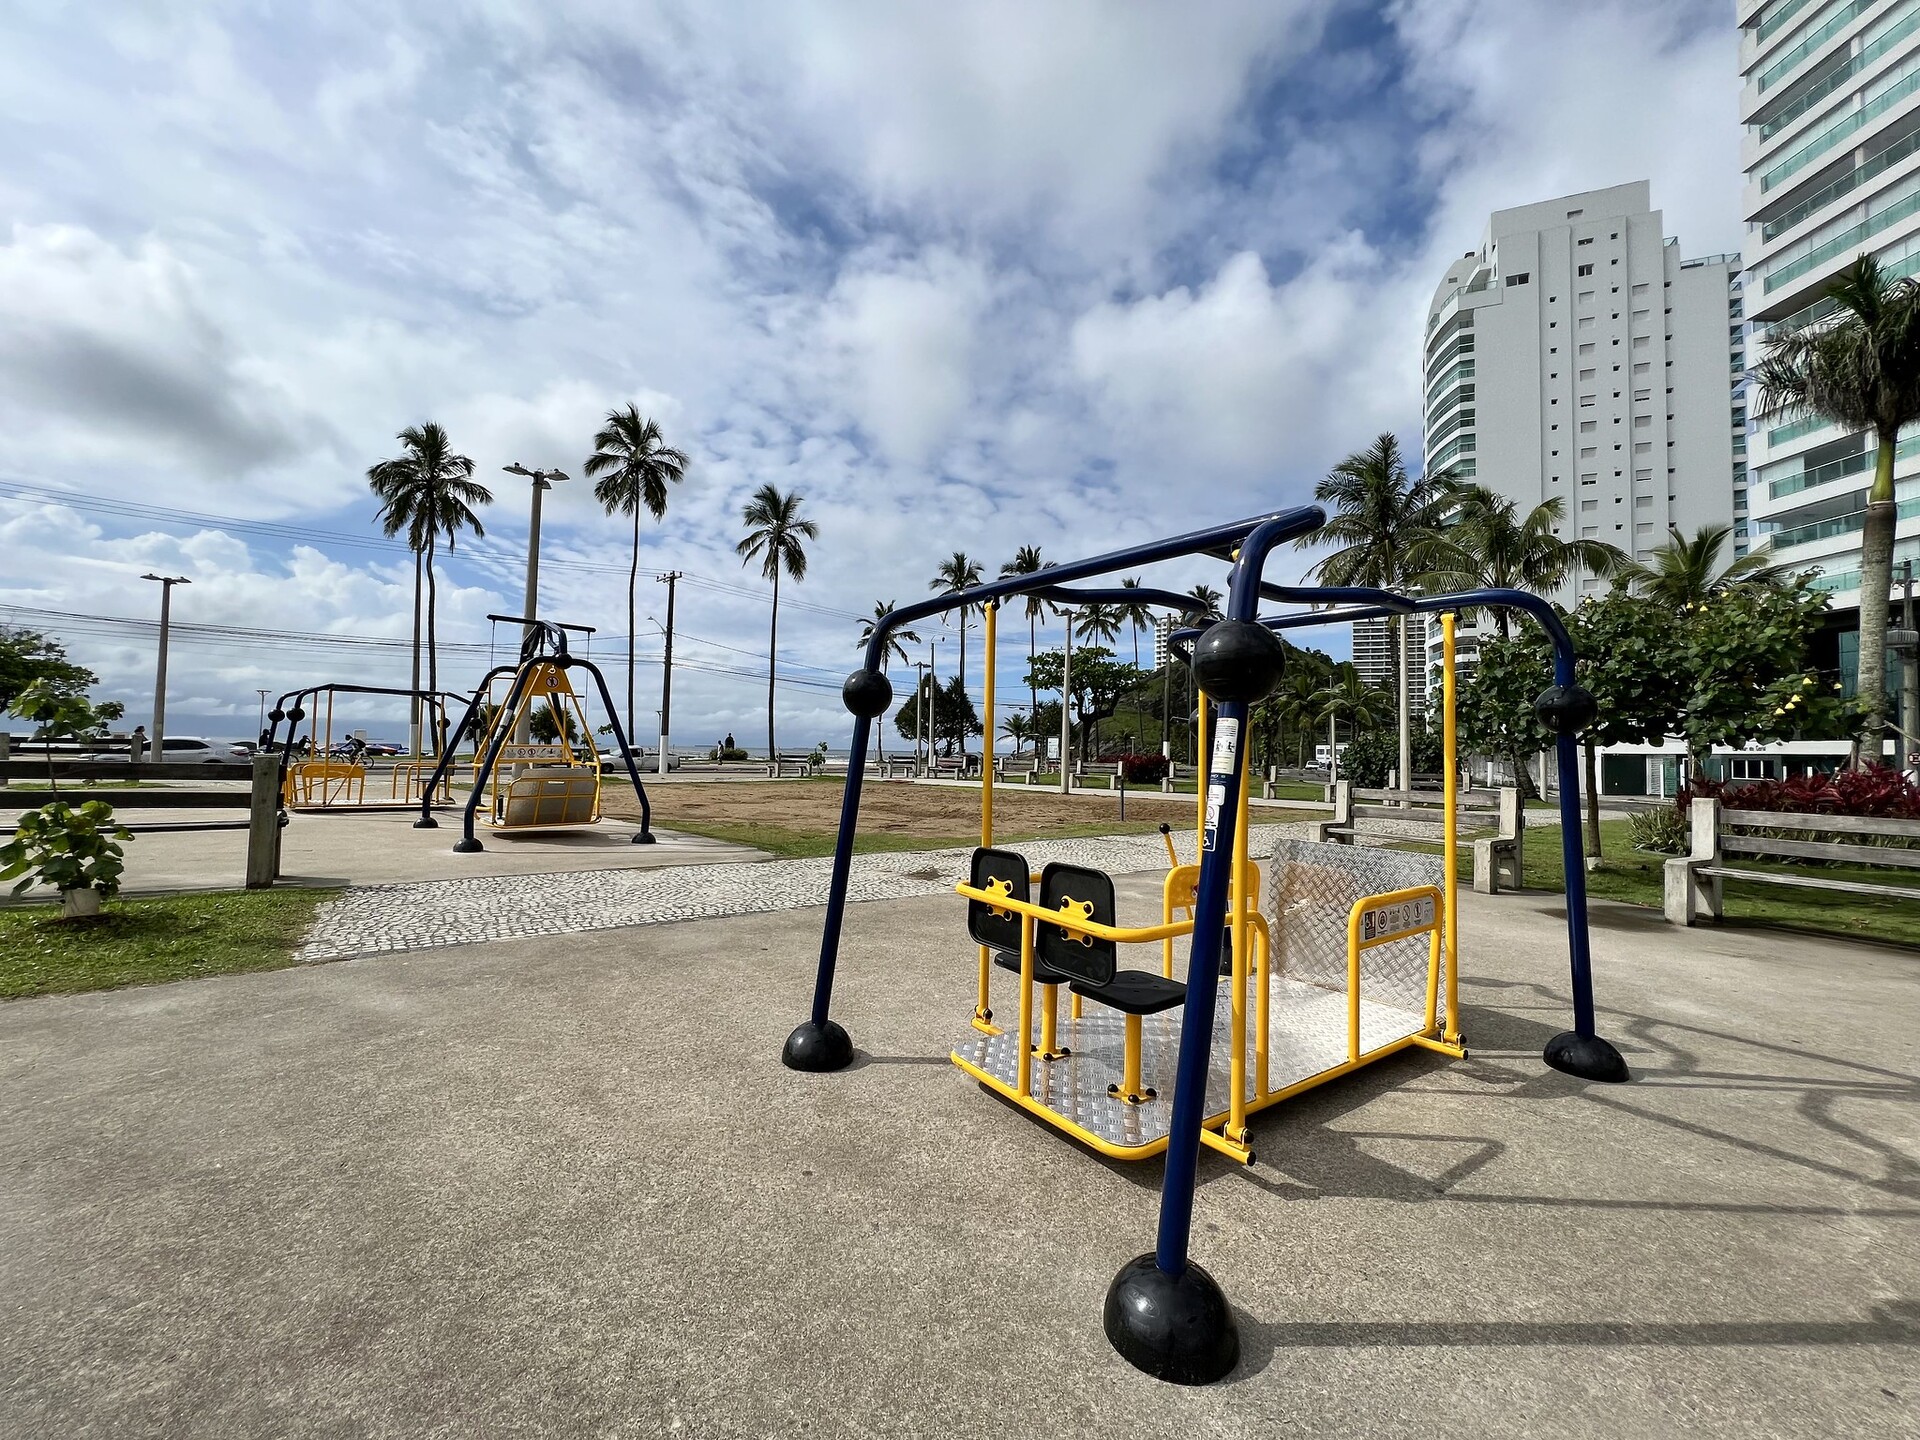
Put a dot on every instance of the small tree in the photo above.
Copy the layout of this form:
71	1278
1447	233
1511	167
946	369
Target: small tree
59	713
545	729
74	851
1099	683
27	656
954	718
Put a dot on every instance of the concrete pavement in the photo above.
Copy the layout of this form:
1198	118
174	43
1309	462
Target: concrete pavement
565	1187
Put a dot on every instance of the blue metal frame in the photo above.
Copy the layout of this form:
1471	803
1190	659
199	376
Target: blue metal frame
822	1045
545	643
1301	521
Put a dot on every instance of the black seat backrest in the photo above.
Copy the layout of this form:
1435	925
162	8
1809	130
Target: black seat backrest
1002	931
1079	956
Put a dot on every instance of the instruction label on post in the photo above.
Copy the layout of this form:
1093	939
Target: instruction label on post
1226	751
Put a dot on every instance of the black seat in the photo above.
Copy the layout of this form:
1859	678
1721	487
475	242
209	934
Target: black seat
1092	965
997	929
1135	992
1042	974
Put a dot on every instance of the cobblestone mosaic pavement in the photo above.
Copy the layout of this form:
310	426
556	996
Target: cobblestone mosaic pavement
381	919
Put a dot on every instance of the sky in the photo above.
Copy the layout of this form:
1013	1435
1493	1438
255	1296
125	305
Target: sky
964	277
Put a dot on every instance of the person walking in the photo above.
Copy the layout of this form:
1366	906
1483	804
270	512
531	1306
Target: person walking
138	744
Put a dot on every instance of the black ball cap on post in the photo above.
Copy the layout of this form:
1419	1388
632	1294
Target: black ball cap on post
1238	660
1566	709
818	1049
867	693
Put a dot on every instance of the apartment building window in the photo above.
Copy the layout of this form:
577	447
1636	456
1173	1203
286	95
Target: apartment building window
1587	349
1643	395
1639	290
1586	269
1586	505
1642	368
1519	279
1587	241
1586	374
1639	316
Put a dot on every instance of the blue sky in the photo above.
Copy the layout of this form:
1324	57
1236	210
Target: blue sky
967	277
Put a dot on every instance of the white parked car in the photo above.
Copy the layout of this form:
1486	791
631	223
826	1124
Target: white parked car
185	750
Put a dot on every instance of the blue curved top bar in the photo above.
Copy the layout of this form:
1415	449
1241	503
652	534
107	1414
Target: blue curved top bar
1301	520
1137	595
1337	595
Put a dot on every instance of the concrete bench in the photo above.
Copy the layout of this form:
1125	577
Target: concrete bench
1695	882
785	765
1497	858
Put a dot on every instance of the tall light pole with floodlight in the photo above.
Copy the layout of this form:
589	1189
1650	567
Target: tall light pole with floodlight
166	583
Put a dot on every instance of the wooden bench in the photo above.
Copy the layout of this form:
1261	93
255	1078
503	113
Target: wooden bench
1016	767
784	765
1695	882
1497	858
1176	771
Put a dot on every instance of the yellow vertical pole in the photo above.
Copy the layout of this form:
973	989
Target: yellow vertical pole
1450	758
1200	780
983	1006
1262	1013
1237	1065
1023	1078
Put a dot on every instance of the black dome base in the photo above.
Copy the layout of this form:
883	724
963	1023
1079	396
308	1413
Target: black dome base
1587	1056
645	837
467	847
426	822
818	1048
1175	1328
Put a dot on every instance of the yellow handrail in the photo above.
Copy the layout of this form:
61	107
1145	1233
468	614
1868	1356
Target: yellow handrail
1073	924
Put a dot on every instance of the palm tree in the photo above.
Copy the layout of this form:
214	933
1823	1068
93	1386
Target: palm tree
774	535
1382	519
958	572
1861	369
635	467
1136	615
1685	572
1206	603
429	492
1014	727
1487	544
1026	561
1346	697
1097	622
894	648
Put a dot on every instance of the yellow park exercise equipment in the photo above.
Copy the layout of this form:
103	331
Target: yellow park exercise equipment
331	768
546	783
1336	957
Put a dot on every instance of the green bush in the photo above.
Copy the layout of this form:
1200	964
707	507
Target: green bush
67	849
1663	830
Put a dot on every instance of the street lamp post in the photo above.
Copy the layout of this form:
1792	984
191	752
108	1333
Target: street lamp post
1066	708
543	480
666	672
166	583
263	710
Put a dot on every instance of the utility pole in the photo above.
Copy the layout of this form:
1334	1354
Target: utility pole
1066	708
166	582
919	708
666	674
933	692
263	710
543	480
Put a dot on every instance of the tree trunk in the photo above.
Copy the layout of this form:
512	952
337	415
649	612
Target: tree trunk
773	649
633	576
1876	585
417	715
1593	804
433	596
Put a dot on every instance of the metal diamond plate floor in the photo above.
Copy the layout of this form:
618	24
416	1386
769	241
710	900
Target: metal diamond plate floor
1307	1034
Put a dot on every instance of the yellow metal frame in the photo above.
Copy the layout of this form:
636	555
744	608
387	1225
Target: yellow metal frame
548	685
1251	948
322	782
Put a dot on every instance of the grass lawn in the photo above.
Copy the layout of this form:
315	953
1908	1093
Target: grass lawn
1634	877
147	941
799	844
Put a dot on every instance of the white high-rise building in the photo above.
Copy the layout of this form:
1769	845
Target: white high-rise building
1373	657
1574	354
1831	110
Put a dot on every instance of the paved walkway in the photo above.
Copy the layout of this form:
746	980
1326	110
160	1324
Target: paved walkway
536	1189
384	918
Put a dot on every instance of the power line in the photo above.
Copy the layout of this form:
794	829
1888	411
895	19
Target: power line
477	552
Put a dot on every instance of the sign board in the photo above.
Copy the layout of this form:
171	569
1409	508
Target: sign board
1404	917
533	755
